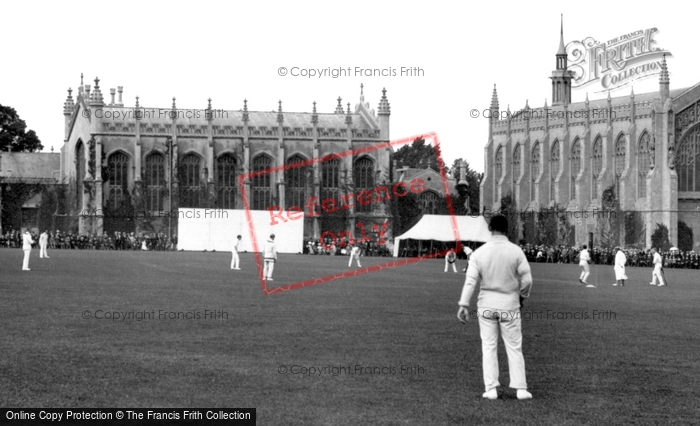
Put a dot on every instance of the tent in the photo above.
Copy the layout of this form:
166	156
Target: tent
446	228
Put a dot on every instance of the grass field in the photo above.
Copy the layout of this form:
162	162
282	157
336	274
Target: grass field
640	365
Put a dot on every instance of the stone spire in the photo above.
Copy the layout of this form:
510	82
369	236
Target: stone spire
245	110
280	116
348	116
69	105
384	107
664	81
561	77
137	102
562	48
314	115
96	96
339	107
494	99
362	92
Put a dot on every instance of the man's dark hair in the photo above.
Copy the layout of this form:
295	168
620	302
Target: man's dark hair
585	247
499	223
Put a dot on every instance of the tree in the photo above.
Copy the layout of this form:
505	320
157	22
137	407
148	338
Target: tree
14	136
417	155
659	239
635	232
610	220
510	211
685	236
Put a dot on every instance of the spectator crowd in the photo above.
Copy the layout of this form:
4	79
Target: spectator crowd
606	256
117	241
329	247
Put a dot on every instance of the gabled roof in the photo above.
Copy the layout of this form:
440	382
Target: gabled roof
29	165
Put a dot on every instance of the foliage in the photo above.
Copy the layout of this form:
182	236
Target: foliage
510	211
407	212
418	155
685	236
659	239
14	136
610	219
635	231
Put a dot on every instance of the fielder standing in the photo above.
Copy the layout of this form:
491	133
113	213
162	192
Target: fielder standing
658	267
584	257
43	242
269	257
355	254
235	260
27	242
502	270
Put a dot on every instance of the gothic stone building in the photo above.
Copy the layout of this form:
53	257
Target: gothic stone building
120	163
647	146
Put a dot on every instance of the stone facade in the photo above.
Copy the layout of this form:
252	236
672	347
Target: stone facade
567	154
120	163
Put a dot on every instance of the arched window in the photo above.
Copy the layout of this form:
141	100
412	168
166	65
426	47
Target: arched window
688	161
189	177
330	179
643	162
499	163
118	170
79	173
154	181
363	173
554	170
297	179
226	181
597	160
535	168
429	202
620	153
262	183
517	164
575	165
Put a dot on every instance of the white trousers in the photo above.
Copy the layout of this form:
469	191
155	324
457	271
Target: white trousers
509	326
354	257
269	267
454	268
656	275
586	271
25	263
235	260
42	251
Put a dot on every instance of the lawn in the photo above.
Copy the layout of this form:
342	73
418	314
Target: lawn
387	346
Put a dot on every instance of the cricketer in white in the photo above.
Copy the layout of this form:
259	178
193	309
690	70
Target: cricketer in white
502	271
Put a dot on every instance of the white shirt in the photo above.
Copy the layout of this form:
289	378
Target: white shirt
43	238
468	251
503	272
584	256
27	241
355	252
235	246
269	250
657	260
620	259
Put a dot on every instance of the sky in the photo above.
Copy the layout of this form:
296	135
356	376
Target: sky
230	51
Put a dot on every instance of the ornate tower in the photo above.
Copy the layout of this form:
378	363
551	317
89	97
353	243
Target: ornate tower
561	77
